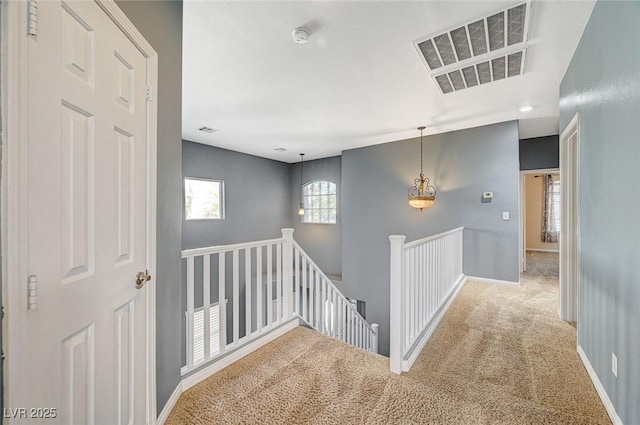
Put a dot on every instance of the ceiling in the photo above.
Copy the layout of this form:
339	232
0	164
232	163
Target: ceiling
359	80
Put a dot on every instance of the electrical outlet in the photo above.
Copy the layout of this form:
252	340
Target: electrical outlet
505	215
614	364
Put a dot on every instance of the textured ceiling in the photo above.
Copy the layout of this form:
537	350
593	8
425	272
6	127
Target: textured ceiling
358	81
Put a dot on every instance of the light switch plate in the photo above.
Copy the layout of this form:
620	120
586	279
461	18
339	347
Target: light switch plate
505	215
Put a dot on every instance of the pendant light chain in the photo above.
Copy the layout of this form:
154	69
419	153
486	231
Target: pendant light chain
421	173
301	208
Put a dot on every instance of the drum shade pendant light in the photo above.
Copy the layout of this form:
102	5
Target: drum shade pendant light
301	209
422	194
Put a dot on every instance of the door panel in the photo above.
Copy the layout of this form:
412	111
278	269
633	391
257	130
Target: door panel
87	217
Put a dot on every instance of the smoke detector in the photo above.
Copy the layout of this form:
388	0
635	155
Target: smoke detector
300	35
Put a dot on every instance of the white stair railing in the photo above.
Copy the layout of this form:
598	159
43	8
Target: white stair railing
326	309
425	275
262	285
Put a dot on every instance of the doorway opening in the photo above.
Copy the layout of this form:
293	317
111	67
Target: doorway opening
540	221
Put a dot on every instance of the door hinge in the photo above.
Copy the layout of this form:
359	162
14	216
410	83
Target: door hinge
149	93
32	292
32	18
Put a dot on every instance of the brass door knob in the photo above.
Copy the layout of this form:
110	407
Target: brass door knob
142	278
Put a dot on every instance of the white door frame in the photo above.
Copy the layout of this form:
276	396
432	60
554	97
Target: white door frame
570	229
14	196
523	211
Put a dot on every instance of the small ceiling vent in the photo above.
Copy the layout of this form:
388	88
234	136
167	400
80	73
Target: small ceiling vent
482	51
207	129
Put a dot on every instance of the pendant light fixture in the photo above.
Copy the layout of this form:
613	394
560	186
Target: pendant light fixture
301	209
422	194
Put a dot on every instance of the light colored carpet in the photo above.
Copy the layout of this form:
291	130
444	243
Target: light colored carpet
500	356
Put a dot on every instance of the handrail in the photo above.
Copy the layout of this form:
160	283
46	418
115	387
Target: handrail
224	248
331	284
425	276
430	238
236	273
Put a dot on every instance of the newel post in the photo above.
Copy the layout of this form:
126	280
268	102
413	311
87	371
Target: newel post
396	297
287	273
374	339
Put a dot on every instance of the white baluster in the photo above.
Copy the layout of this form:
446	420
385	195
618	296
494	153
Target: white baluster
287	274
269	284
278	282
374	342
341	319
259	293
432	278
312	298
317	298
323	307
334	312
297	281
349	330
236	297
305	291
190	301
206	298
247	292
222	303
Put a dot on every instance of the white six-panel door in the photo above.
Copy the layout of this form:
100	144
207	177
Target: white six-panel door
87	217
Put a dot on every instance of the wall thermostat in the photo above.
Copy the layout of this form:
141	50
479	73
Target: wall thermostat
487	195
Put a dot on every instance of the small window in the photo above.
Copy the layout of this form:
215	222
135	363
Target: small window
203	199
320	199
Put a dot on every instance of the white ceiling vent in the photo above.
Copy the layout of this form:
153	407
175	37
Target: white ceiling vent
206	129
482	51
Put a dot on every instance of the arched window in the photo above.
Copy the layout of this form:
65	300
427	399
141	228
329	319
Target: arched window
320	202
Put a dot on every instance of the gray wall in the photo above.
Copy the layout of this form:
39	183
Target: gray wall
539	153
2	70
603	84
257	196
463	164
257	206
161	25
321	241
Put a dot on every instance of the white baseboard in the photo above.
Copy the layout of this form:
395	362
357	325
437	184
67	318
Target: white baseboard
543	250
493	281
202	374
168	407
599	388
412	356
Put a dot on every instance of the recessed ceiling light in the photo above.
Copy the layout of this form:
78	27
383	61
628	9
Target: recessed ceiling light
206	129
527	108
280	149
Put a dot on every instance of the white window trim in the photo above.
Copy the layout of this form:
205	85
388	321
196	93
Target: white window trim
222	199
308	209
